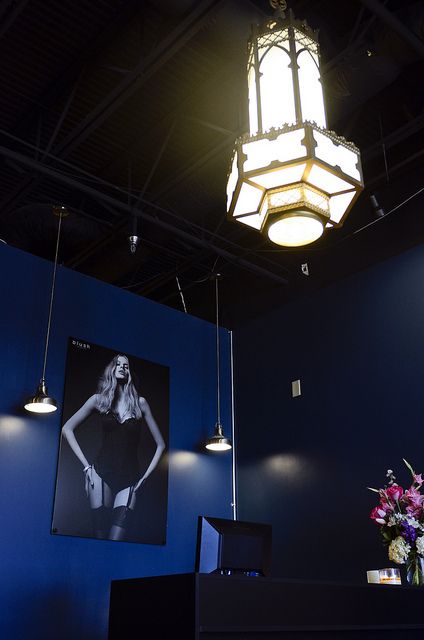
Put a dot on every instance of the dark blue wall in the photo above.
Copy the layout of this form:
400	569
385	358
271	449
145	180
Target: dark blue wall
304	464
55	587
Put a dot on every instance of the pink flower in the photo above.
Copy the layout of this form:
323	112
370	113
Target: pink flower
385	504
414	501
413	495
415	512
378	514
394	492
418	480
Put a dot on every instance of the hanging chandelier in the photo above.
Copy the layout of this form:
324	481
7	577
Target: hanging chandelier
290	177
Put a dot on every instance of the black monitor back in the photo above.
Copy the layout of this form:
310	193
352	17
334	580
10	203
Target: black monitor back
233	546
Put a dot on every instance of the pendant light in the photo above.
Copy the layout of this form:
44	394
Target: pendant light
41	402
290	177
218	442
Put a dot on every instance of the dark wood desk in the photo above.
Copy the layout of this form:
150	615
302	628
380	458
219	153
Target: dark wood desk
211	607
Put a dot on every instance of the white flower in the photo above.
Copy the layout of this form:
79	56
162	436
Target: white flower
395	518
413	522
419	543
399	550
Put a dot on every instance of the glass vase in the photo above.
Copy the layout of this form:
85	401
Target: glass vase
415	571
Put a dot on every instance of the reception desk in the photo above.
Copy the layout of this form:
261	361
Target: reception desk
197	606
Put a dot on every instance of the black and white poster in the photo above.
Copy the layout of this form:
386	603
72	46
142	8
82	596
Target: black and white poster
112	474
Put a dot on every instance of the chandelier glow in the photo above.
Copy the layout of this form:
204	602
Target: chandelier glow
290	177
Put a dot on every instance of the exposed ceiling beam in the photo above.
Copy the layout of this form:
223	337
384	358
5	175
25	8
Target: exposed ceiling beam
161	280
406	131
14	12
395	167
180	111
194	166
396	25
134	80
352	46
63	83
168	47
125	207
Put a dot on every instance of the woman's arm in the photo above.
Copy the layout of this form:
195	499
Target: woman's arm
74	421
157	436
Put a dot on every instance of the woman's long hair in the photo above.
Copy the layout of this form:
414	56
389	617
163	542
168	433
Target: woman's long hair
107	387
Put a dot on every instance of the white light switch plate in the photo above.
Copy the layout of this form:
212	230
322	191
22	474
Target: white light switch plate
296	388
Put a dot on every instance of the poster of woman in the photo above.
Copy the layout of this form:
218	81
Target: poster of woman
112	474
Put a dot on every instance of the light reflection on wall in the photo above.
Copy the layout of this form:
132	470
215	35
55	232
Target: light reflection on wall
205	467
11	426
287	466
184	459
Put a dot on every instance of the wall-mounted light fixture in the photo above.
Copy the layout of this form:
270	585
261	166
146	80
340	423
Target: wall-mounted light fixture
41	402
290	177
218	442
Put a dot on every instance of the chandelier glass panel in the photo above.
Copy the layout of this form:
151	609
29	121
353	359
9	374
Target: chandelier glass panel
290	177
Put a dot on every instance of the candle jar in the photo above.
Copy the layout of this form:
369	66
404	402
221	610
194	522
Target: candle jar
389	576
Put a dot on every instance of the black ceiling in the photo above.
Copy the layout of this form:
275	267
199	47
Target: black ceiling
126	112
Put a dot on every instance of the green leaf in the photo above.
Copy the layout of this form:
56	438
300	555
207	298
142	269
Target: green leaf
376	490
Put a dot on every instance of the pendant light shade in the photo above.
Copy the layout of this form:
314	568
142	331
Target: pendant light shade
41	402
218	442
290	177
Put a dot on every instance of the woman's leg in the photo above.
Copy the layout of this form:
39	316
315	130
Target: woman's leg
100	498
123	513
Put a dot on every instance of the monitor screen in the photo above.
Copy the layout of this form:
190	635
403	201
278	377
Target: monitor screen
233	547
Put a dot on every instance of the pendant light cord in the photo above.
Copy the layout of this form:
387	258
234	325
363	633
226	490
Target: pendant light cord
51	298
383	146
218	398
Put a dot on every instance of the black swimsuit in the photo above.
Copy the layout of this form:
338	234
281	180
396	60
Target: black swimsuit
117	461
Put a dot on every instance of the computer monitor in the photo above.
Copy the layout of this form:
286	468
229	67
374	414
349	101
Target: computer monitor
233	547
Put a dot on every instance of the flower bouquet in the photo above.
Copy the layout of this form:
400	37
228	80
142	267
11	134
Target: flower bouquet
400	516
